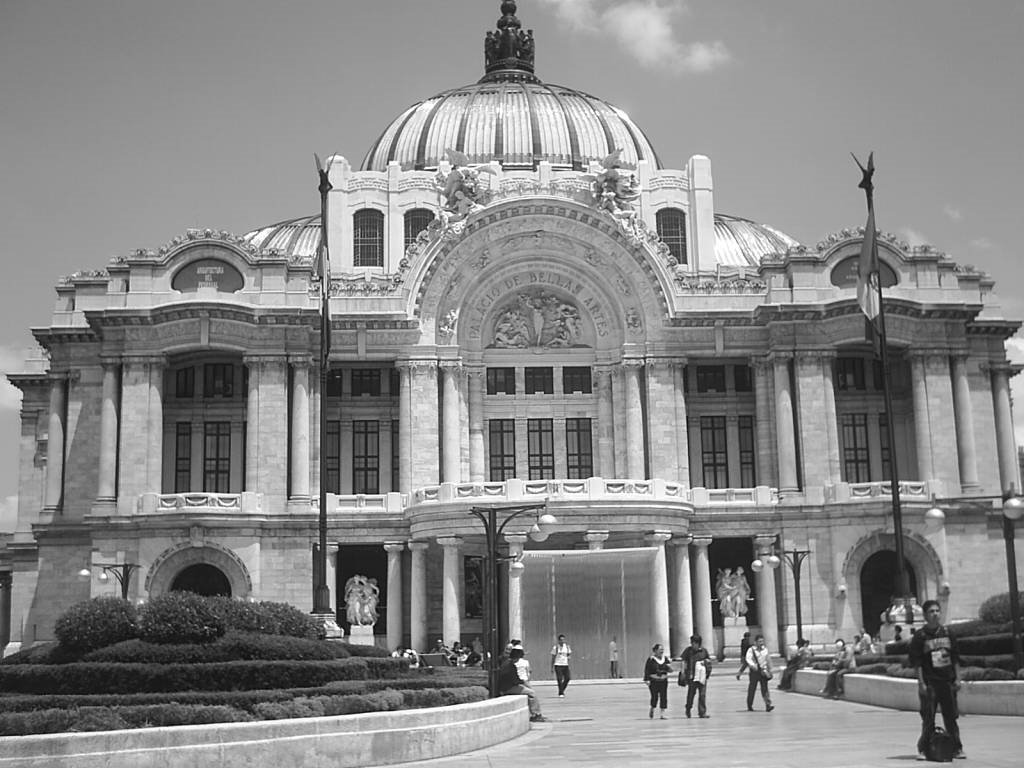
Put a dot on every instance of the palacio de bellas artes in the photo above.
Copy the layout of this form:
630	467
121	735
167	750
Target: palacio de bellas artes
527	313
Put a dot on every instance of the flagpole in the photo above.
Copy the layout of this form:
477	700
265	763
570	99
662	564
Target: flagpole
902	585
321	591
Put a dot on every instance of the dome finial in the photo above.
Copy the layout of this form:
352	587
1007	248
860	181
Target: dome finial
508	51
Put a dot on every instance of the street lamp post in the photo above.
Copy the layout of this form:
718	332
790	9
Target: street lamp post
1013	508
795	559
122	572
492	596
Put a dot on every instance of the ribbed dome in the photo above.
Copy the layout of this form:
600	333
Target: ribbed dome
518	123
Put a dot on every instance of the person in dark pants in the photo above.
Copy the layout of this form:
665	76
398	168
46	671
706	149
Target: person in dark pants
936	657
798	660
744	646
656	672
560	653
760	665
696	671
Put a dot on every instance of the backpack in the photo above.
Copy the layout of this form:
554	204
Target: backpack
939	747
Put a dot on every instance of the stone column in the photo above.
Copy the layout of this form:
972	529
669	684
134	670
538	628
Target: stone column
450	413
6	581
418	597
661	420
140	458
767	610
682	433
595	540
477	465
1009	473
516	542
767	471
942	425
784	429
55	442
922	429
424	434
252	428
385	455
605	423
828	391
634	420
300	429
451	603
107	485
702	590
266	436
659	588
404	427
967	453
394	550
682	594
818	441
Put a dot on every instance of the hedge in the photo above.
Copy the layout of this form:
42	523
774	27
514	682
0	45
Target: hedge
233	646
96	623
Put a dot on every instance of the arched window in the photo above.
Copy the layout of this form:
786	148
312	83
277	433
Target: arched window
368	238
416	220
672	231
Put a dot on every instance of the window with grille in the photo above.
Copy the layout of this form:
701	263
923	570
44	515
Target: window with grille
217	457
502	445
742	378
711	378
416	220
539	381
856	460
332	457
714	455
185	382
366	381
671	224
365	457
218	379
501	381
849	374
183	457
368	238
540	445
576	380
579	449
748	461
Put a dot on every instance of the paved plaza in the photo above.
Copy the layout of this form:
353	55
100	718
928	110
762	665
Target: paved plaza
606	724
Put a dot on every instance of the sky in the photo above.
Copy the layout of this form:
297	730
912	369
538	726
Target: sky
125	122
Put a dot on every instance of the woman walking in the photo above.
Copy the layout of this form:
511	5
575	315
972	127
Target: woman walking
656	672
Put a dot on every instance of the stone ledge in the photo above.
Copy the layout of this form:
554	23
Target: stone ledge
975	698
374	738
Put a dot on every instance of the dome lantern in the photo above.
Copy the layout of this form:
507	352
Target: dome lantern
508	52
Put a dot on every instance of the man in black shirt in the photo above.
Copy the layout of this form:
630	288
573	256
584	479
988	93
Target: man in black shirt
513	676
935	656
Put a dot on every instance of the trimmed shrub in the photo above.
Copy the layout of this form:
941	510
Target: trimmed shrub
42	653
179	617
267	618
41	721
98	719
996	609
986	645
976	627
368	651
232	646
96	623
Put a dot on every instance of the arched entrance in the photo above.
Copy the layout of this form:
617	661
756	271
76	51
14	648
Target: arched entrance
203	579
878	585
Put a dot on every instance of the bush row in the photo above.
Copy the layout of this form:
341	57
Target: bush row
96	677
103	718
233	646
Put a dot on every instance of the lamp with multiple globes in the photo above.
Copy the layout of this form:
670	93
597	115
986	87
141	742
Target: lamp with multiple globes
1013	509
794	559
122	573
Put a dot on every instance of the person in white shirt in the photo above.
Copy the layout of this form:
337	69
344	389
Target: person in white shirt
760	664
613	659
560	653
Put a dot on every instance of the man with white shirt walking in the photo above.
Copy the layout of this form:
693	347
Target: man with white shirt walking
760	665
560	653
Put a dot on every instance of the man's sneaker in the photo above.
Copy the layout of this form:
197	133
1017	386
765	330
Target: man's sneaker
769	708
561	695
920	757
538	719
650	714
960	755
704	717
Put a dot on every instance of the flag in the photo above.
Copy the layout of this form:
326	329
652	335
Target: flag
324	261
867	271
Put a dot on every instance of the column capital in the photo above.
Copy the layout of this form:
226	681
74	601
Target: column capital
1004	367
145	358
257	359
450	366
761	364
393	547
453	542
661	364
417	546
110	362
633	363
657	538
702	542
300	361
681	540
516	539
814	356
595	539
764	543
779	357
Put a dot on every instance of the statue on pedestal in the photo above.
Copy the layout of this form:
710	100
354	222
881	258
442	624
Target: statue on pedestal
361	596
733	592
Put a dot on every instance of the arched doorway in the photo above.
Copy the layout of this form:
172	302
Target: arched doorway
878	585
203	579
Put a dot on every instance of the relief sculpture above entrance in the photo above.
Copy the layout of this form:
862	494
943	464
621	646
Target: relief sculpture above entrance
537	318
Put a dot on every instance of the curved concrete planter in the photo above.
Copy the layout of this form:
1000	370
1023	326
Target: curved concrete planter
975	697
375	738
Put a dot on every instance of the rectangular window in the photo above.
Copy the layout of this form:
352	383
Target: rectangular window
332	456
501	381
395	453
856	462
849	374
540	444
539	381
877	377
218	379
743	380
576	380
502	444
365	457
748	471
366	381
711	378
714	456
185	382
579	448
217	457
394	382
334	383
182	457
884	451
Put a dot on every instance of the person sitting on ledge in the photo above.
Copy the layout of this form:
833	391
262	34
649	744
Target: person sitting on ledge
798	660
513	676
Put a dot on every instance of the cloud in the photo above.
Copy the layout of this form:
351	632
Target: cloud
913	237
982	244
645	30
8	514
1015	353
11	359
952	212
